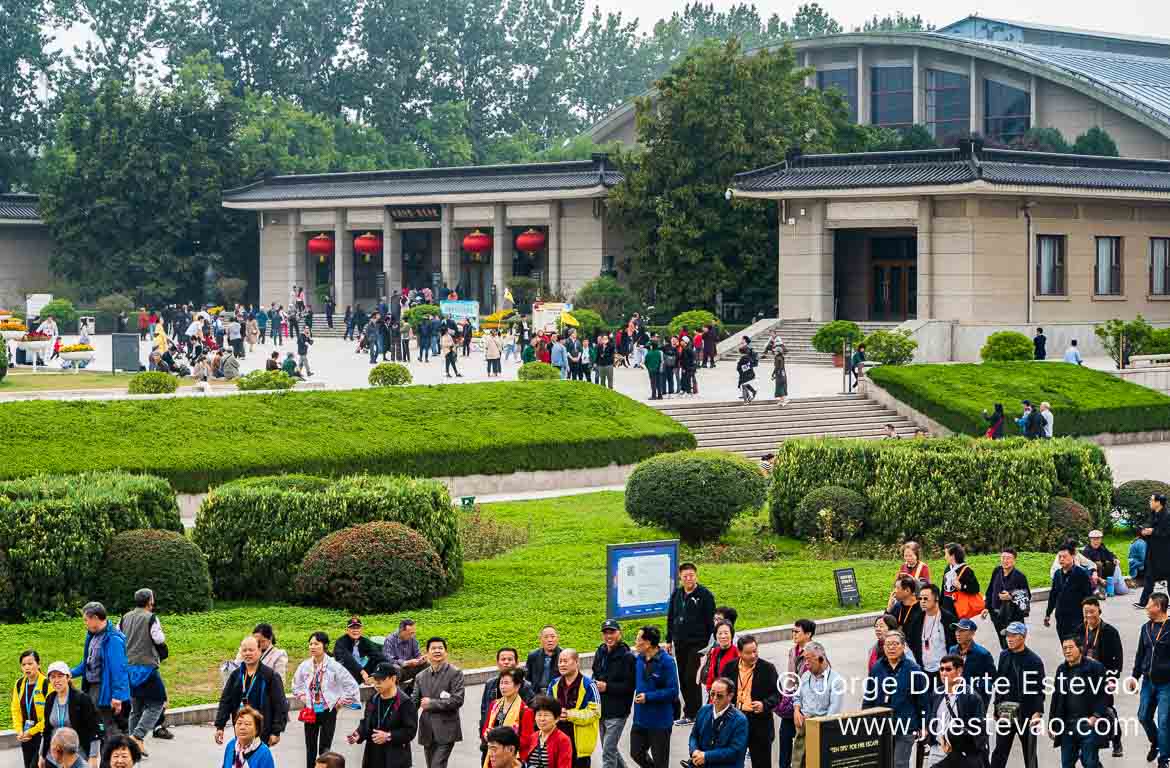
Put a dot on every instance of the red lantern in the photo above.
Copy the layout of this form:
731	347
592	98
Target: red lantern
531	241
368	244
477	242
321	246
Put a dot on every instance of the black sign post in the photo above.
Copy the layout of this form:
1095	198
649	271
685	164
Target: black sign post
125	350
848	741
848	593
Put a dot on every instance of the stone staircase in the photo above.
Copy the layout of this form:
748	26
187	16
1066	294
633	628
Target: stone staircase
757	428
797	336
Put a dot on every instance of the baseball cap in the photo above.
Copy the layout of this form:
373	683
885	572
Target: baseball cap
354	621
966	624
1016	628
384	670
1095	534
59	666
1026	402
609	625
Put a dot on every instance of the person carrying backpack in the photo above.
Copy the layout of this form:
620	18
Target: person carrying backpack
746	370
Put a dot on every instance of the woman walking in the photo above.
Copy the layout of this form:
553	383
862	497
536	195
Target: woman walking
322	685
492	352
253	333
960	584
780	373
995	419
510	711
67	707
28	706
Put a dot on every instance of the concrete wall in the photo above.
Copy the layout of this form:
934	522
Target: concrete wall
806	263
1074	113
941	341
24	263
274	283
582	241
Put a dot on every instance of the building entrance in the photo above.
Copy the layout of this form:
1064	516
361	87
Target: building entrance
876	275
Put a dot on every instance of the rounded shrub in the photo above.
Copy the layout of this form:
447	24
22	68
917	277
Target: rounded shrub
416	315
389	375
694	493
608	298
152	383
538	371
1131	501
164	561
377	567
589	323
1007	346
1067	520
848	509
890	347
694	320
831	337
265	380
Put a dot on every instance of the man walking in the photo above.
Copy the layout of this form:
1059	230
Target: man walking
255	685
614	672
103	673
1008	597
1078	701
542	664
898	683
144	638
757	692
1157	537
978	666
580	707
955	715
604	361
710	342
1151	666
1019	703
1101	641
1040	345
655	697
1071	584
690	624
719	737
937	633
438	696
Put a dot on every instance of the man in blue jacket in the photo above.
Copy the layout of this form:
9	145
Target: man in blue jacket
655	701
898	683
978	664
103	668
720	734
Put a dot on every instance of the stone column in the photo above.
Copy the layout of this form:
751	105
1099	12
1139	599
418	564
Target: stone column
822	247
501	254
1033	109
447	250
343	253
925	258
293	234
391	254
554	246
919	96
976	111
862	89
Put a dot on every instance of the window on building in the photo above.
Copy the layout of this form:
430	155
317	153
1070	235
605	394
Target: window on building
892	96
1007	112
1050	271
1107	267
948	104
1160	266
845	81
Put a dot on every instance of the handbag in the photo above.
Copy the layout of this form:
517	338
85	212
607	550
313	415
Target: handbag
784	707
968	606
307	715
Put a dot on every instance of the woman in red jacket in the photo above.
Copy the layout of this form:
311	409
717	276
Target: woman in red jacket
510	711
722	652
552	748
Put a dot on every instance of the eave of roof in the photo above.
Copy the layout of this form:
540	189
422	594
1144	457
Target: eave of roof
1062	30
16	208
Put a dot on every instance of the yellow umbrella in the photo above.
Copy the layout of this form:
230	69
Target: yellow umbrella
568	319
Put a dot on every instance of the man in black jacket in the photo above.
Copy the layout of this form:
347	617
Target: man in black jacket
541	666
1008	598
760	698
690	623
1078	701
357	653
604	361
614	673
1019	699
1101	641
1071	584
1151	666
908	612
956	734
1157	536
257	686
1096	551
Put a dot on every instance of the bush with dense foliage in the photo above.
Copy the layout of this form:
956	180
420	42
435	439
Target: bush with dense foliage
115	303
524	291
489	428
1131	501
125	494
589	323
538	371
152	383
1084	401
608	298
1137	335
377	567
694	493
7	590
265	381
1006	346
164	561
3	360
251	530
1068	520
389	375
830	338
693	320
417	314
849	508
985	493
61	310
890	347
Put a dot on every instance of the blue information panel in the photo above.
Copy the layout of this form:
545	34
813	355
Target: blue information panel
461	310
641	577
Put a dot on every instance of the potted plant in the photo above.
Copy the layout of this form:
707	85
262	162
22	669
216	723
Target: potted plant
13	329
76	352
830	338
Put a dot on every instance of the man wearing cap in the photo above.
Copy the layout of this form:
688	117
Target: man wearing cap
389	724
1151	666
1019	702
614	669
1096	551
357	653
103	666
1071	584
978	665
1101	641
955	715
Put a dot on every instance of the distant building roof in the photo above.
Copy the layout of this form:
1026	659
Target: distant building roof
18	207
416	185
966	164
1009	30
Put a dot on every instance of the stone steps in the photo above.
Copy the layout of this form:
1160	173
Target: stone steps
797	336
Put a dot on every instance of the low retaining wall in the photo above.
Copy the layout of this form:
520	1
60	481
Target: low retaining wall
205	713
1156	377
944	341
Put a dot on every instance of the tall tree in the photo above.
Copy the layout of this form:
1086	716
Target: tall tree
610	65
24	60
541	32
716	113
124	34
897	23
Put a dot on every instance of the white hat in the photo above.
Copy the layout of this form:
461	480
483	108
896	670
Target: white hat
59	666
1095	534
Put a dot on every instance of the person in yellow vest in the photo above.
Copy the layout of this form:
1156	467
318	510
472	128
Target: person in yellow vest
28	706
580	706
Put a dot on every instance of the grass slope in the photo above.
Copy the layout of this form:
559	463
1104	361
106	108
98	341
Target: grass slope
1085	401
491	428
557	577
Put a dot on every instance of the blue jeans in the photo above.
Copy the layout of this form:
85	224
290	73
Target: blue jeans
564	372
1084	748
1155	702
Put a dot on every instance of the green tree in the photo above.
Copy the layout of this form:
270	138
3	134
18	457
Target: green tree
23	60
1095	141
1043	140
897	23
610	65
916	137
123	32
608	298
716	113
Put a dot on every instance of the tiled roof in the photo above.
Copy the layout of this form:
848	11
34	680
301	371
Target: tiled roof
19	207
430	182
967	163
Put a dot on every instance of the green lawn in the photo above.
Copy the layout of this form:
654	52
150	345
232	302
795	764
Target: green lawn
1084	401
557	577
60	382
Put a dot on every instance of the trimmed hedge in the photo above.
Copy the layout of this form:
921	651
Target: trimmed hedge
1068	520
1084	401
264	380
376	567
1005	346
984	493
694	320
1131	500
890	347
695	493
389	375
538	371
164	561
416	315
252	530
847	506
152	383
457	430
120	492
